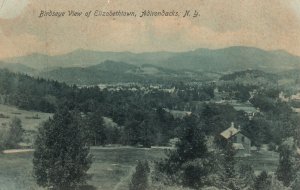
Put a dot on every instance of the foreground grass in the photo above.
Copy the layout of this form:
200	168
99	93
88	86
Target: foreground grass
30	119
263	160
111	169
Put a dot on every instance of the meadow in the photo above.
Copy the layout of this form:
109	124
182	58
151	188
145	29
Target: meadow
111	169
30	119
112	166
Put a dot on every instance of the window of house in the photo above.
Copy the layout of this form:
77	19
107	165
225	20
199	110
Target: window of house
243	139
235	138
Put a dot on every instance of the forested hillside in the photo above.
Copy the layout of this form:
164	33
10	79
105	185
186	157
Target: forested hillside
186	114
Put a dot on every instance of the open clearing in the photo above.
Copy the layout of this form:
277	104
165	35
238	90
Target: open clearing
30	119
111	167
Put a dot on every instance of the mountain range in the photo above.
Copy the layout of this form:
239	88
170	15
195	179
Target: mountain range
118	66
114	72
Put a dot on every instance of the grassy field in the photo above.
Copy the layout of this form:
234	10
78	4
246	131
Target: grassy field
30	119
112	166
263	160
111	169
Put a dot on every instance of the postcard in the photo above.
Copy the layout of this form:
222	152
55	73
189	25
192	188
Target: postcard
149	95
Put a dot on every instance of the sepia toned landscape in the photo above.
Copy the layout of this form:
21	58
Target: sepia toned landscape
177	96
144	112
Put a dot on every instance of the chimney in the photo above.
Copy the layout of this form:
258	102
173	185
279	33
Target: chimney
232	124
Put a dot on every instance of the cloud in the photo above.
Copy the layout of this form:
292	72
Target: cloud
268	24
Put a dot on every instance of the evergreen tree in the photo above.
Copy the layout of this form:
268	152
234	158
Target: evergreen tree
139	180
146	134
263	181
190	161
95	130
230	175
15	133
61	157
192	144
246	173
229	161
296	183
286	169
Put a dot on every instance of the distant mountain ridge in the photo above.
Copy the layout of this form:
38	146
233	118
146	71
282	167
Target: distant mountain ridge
213	60
84	58
112	71
17	68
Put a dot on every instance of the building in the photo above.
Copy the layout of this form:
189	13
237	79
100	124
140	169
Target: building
295	97
178	113
240	142
247	108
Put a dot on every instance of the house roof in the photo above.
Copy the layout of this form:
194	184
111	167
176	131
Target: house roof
231	131
247	109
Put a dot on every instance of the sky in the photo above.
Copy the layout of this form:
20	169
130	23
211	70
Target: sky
267	24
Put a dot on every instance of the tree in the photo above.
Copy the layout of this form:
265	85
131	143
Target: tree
246	173
146	133
95	129
190	160
3	139
233	180
15	133
233	174
263	181
131	133
296	183
286	171
192	144
61	157
139	180
229	161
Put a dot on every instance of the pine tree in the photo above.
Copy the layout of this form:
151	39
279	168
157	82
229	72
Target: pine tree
286	169
61	157
95	131
190	161
229	161
139	180
247	175
263	181
296	183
